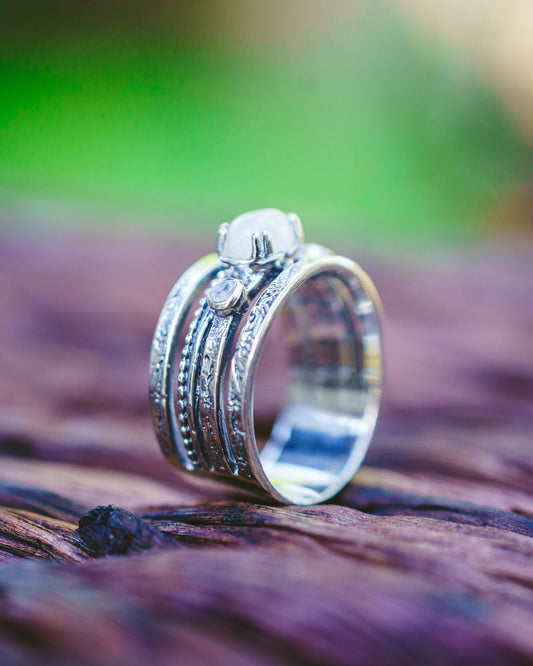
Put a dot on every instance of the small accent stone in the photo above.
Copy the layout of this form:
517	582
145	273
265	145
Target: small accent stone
222	290
224	293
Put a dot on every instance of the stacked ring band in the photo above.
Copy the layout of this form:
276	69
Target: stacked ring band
208	343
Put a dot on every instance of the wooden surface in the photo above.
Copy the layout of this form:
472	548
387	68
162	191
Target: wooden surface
427	558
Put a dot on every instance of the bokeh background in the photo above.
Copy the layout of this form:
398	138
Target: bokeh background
394	124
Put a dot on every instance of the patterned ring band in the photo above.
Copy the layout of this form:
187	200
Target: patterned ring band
206	350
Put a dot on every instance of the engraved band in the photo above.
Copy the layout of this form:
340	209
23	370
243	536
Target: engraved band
208	344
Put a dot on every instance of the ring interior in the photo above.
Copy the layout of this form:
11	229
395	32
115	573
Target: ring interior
321	435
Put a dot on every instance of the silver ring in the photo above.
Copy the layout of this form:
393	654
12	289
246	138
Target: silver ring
206	350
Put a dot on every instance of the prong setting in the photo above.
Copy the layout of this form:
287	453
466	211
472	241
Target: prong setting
262	248
221	237
296	224
259	237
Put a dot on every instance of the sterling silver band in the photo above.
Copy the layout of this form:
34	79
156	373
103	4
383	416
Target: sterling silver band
207	346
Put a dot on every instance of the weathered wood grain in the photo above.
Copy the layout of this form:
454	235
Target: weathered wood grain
427	557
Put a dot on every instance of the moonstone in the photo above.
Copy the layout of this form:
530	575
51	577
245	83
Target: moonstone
238	243
224	295
223	290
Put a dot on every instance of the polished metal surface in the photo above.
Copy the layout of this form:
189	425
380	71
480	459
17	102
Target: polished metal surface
204	363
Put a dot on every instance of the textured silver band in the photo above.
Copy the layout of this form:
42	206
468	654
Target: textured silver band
204	363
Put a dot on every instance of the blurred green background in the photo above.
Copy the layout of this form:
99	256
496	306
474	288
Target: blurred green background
366	118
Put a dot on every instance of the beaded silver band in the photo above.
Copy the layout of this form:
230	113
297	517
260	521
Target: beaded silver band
203	366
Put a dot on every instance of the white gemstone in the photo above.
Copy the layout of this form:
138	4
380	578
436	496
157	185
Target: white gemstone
238	245
223	290
224	294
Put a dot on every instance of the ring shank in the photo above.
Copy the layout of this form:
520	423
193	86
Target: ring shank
321	436
204	370
323	421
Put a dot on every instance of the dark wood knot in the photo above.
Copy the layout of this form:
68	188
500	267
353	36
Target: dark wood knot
110	530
